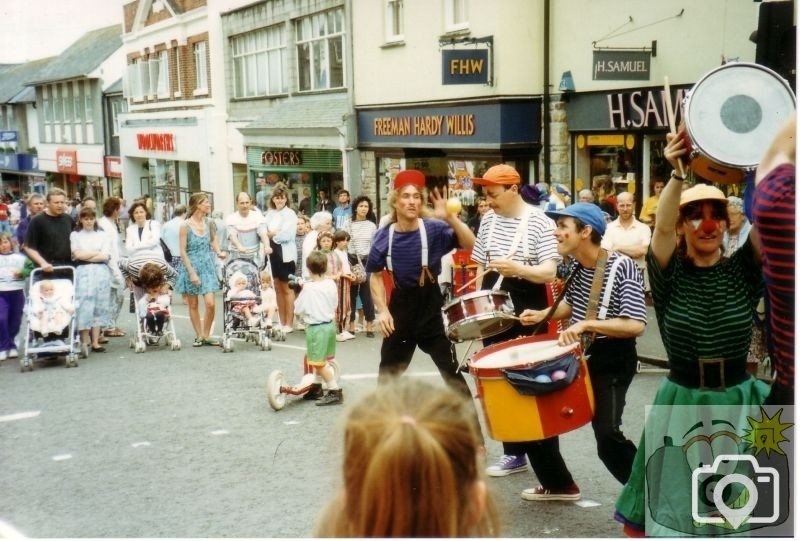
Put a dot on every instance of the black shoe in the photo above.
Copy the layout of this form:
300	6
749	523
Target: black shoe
333	397
314	392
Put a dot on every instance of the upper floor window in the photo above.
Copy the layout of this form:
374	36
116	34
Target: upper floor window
259	62
394	20
320	50
201	67
455	15
88	110
117	107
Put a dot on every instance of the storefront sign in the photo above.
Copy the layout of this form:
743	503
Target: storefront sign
465	67
487	124
635	109
113	167
281	158
67	161
156	141
621	65
8	136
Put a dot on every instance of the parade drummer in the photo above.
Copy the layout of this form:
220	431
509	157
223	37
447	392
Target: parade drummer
607	328
516	248
410	248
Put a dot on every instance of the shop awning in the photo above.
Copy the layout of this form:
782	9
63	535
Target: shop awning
302	115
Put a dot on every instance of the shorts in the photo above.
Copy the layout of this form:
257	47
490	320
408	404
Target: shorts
320	343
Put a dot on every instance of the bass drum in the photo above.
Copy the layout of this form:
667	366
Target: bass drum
731	115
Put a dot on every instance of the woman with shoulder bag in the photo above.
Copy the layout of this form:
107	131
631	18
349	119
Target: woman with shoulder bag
362	228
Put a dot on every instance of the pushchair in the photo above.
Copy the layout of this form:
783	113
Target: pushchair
143	337
50	319
278	389
237	305
146	337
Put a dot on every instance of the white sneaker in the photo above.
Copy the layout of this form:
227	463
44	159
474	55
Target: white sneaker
287	329
341	337
13	353
300	327
4	354
348	335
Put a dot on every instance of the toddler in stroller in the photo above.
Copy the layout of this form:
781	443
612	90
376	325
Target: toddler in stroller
153	310
244	312
51	310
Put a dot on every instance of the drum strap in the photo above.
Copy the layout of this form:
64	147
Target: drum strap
521	235
594	295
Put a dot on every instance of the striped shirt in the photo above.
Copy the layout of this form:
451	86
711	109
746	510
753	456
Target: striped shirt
626	298
706	312
361	233
540	245
774	216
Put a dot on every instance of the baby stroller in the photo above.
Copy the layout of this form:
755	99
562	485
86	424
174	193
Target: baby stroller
50	319
277	388
143	337
236	304
146	337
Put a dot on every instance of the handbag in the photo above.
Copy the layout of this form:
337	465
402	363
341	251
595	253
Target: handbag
358	271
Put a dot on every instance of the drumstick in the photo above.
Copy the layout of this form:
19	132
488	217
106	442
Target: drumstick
671	118
465	286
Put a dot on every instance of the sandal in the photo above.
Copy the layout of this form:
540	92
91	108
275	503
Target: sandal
98	349
210	342
116	332
197	342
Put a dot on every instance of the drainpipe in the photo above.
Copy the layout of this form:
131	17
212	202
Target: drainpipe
546	94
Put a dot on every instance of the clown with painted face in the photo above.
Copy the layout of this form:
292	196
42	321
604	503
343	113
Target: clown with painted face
704	305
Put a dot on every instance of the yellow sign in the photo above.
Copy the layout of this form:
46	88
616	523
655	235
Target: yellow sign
605	140
427	125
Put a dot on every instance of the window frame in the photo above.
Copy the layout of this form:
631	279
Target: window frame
451	9
394	15
200	53
247	49
318	44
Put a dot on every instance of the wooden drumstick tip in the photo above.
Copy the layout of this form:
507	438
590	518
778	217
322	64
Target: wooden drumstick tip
671	119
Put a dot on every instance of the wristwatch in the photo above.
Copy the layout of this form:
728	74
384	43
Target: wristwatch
675	174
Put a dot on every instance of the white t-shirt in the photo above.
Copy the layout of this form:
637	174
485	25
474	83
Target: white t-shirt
317	301
245	227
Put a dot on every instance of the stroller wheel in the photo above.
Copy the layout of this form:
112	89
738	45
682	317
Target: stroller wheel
72	361
176	345
266	345
140	347
275	396
131	342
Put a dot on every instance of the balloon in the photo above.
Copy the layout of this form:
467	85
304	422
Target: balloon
558	374
453	205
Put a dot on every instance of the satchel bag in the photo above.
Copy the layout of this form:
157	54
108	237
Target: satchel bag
358	271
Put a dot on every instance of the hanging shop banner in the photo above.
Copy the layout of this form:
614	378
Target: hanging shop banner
67	161
621	65
465	67
8	136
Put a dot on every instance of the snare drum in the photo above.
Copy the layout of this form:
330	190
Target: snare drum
731	116
478	315
513	416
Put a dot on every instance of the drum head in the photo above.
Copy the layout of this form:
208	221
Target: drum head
521	355
480	326
734	111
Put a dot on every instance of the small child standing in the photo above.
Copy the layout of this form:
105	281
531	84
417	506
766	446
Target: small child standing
343	280
317	305
153	306
244	300
12	298
269	299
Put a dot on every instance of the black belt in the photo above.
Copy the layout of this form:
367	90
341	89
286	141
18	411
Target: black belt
323	323
710	374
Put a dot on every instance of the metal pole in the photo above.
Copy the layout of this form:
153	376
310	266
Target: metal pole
546	94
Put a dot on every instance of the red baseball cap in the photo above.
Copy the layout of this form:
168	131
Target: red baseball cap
409	177
499	175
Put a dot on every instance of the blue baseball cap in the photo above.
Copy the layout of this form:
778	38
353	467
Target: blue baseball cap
588	213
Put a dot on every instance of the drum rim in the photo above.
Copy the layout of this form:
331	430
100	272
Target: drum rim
475	294
452	335
690	94
509	344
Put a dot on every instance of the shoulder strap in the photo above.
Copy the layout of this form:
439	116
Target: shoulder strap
609	288
594	295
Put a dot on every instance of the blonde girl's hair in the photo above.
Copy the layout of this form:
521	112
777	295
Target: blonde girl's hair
410	467
394	195
265	276
194	202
